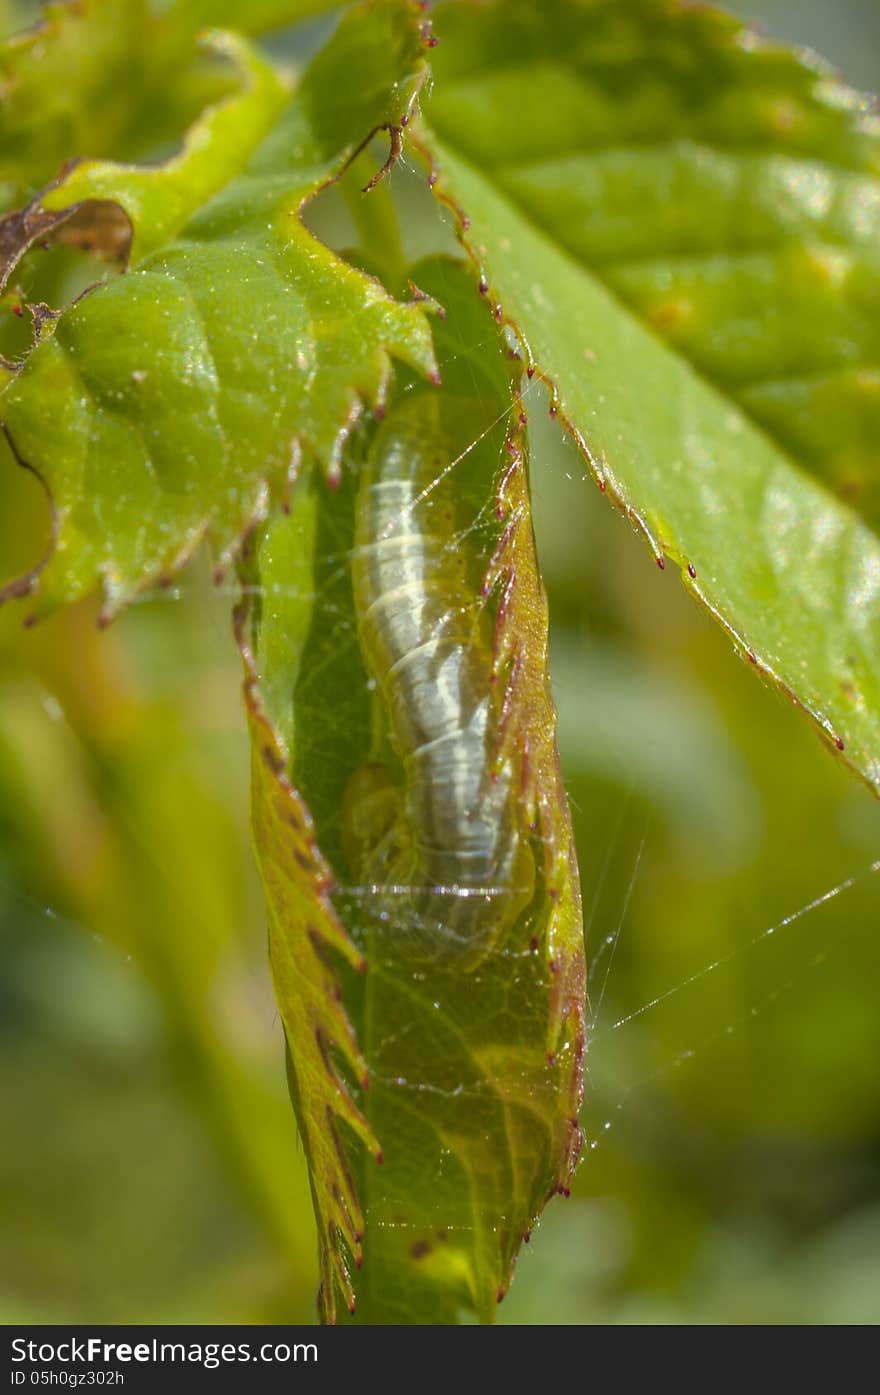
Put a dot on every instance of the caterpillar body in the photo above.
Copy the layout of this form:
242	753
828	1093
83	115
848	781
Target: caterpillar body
446	853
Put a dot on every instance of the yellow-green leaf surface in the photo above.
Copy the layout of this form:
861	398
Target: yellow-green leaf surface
112	77
170	401
438	1096
683	222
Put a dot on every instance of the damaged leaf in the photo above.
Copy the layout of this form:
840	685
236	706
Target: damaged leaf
170	400
398	634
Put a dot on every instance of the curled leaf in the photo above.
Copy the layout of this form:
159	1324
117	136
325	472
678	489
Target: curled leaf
398	633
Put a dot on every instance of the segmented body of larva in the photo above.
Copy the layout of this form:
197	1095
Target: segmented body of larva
452	864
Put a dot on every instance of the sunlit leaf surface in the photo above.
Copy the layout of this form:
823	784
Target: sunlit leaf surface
686	234
169	401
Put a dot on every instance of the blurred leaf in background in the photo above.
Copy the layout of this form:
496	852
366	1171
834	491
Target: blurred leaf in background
154	1173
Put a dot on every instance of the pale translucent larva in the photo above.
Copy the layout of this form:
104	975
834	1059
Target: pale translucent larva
450	862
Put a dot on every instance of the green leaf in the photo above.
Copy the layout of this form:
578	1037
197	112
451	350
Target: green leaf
158	202
113	77
469	1007
169	402
67	85
681	220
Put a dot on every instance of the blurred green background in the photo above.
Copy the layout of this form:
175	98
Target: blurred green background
150	1168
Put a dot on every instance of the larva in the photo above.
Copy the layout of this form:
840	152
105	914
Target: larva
449	860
